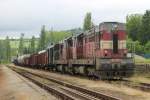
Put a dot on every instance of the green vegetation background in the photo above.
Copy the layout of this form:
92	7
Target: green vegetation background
137	25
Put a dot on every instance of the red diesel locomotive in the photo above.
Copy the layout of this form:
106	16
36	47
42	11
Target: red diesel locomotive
99	52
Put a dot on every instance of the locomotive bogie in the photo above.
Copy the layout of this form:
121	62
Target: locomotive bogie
59	68
116	67
79	70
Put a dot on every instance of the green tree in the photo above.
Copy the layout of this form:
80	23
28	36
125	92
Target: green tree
147	47
139	49
133	24
42	41
2	51
144	35
56	36
8	49
32	45
26	50
21	44
51	38
87	22
134	45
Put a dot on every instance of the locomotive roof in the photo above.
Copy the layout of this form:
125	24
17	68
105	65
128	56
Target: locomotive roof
41	51
79	34
70	37
92	30
51	46
112	23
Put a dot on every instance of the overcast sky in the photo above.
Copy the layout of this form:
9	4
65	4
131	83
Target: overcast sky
28	16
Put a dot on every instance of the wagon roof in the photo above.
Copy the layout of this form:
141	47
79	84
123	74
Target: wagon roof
24	56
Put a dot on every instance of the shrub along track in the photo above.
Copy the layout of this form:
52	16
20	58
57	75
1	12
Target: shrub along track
61	89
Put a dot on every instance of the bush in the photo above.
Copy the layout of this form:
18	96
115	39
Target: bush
147	47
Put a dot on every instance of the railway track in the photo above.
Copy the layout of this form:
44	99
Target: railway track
61	89
140	86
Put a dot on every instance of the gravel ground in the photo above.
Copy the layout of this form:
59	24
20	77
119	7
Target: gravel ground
120	91
15	87
141	78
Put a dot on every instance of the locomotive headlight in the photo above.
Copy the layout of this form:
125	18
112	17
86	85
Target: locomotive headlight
105	51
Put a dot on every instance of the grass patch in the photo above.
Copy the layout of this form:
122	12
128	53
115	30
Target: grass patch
144	61
140	59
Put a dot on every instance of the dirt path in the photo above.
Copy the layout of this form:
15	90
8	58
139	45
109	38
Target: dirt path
15	87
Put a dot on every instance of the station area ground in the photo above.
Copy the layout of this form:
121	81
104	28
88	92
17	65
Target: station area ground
117	90
15	87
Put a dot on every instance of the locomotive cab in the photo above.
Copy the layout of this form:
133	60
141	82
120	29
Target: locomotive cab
112	40
113	61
